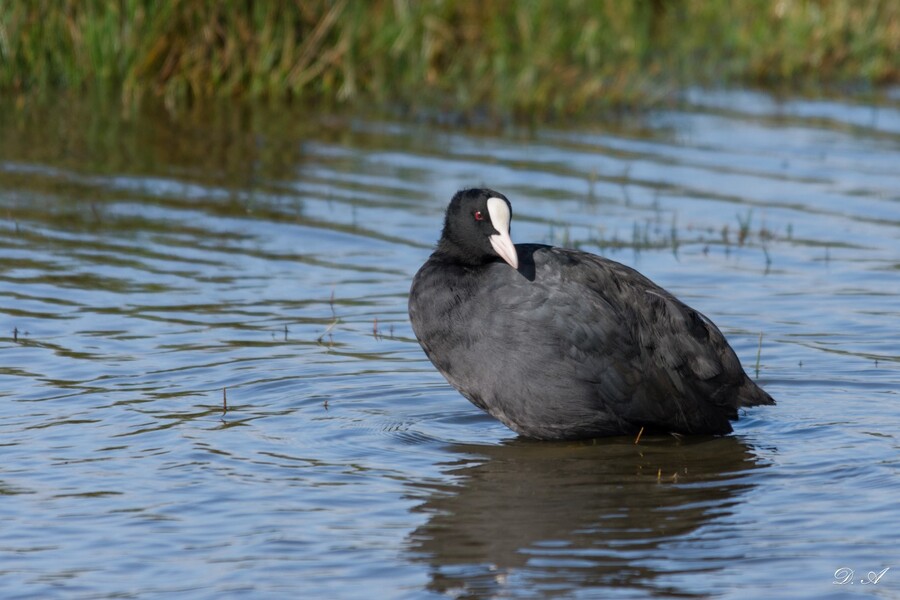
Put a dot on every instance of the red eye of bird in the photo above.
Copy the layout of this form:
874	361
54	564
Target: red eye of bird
479	216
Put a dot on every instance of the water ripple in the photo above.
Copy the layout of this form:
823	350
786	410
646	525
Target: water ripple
209	383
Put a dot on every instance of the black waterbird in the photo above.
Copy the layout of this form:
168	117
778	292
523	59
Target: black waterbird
563	344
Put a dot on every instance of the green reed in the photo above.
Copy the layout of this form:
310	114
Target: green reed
526	57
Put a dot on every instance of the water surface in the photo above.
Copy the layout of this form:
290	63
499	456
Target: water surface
155	269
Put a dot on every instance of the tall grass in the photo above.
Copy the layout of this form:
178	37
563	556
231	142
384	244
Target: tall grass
525	56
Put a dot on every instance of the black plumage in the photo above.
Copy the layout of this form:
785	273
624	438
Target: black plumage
563	344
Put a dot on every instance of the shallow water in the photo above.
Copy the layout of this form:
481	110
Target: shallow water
151	267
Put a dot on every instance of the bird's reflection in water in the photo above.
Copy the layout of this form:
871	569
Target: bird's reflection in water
554	519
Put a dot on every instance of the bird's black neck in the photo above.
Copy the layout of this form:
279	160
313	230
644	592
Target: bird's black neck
449	252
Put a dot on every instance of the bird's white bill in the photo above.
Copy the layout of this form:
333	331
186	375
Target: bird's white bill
501	242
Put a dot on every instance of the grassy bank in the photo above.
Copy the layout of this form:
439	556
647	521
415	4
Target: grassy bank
527	57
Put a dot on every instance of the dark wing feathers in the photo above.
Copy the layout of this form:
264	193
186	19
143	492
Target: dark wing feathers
649	357
574	345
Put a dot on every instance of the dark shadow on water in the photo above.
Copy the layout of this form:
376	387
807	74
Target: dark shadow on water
558	518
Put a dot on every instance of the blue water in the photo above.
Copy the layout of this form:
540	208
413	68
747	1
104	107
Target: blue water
153	266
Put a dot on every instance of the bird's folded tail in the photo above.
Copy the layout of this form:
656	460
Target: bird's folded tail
753	395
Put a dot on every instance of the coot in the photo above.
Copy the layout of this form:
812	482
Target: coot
562	344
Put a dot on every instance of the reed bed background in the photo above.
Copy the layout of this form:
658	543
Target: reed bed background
527	57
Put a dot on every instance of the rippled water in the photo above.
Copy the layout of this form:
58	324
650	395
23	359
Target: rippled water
151	268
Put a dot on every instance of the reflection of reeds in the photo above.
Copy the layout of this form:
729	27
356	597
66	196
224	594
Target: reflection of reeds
328	333
758	354
533	57
378	333
744	226
650	235
334	322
